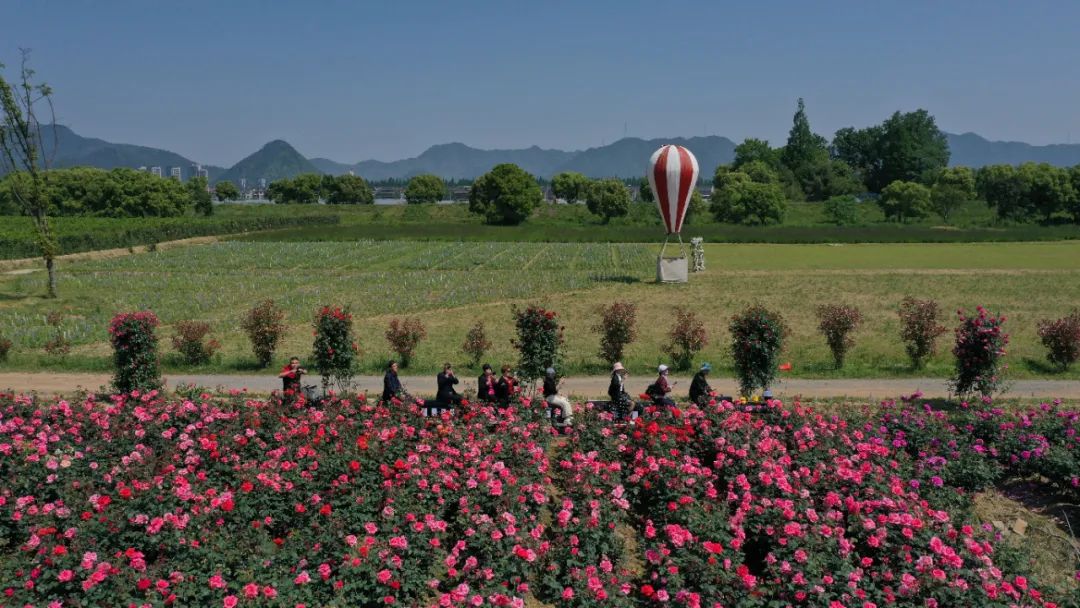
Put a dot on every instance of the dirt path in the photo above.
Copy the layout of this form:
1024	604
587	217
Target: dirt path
19	266
581	386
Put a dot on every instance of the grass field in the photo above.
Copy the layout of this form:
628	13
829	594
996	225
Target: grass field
451	285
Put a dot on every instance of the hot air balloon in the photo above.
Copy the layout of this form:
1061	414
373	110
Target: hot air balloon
673	173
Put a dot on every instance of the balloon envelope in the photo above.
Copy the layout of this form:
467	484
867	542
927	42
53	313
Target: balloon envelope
673	173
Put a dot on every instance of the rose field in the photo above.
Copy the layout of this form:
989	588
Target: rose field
450	286
200	500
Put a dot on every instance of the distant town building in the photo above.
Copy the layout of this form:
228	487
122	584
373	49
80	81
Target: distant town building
262	183
156	171
243	183
175	173
142	169
198	171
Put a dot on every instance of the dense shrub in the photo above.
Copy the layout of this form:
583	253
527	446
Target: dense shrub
617	329
404	335
5	349
607	198
539	337
686	338
837	322
842	210
190	340
980	347
135	356
58	345
476	343
334	347
426	189
265	328
920	327
505	195
757	339
1061	337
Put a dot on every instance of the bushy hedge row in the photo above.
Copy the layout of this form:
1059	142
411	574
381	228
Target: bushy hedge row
90	234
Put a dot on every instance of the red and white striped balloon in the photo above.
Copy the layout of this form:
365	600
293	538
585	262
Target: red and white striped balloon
673	173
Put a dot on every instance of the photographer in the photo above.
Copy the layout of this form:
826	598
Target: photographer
290	376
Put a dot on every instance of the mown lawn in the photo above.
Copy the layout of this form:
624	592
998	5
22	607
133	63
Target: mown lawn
450	286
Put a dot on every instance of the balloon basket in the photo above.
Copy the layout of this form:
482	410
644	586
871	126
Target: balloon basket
672	269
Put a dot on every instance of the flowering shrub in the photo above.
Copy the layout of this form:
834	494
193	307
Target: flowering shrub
230	501
476	343
686	338
1061	337
5	349
190	341
920	327
617	329
539	337
135	356
837	322
980	345
757	339
334	346
59	345
265	327
403	336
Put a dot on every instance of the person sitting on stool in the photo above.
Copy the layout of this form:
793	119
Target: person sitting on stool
660	389
700	391
553	399
446	396
391	383
290	377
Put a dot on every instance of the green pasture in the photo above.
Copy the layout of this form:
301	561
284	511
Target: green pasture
451	285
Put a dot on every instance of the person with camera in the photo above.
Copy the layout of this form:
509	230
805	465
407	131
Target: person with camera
290	377
446	396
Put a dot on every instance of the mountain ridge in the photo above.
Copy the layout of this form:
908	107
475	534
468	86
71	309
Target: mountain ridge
625	157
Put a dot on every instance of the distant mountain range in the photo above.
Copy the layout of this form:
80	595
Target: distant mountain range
623	158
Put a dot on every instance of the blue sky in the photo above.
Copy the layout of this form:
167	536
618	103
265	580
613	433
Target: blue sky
357	80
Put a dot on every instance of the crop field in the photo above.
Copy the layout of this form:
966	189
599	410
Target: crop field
450	286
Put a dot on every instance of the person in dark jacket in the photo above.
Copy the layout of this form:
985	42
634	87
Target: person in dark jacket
391	384
620	399
485	385
505	386
447	396
700	391
660	389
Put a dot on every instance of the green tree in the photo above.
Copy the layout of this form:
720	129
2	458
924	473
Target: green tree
822	178
911	149
738	199
1003	190
505	195
759	172
608	198
752	149
1048	189
803	145
199	191
304	189
347	190
697	207
570	186
954	186
842	210
22	149
645	191
904	200
226	191
426	189
859	149
1074	204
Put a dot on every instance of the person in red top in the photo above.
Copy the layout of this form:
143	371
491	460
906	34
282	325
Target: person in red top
660	389
290	376
505	386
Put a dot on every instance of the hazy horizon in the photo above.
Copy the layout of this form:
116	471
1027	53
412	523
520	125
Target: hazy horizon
352	82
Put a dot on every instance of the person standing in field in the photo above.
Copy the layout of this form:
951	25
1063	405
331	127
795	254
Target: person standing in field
505	386
485	385
290	376
620	399
554	399
446	395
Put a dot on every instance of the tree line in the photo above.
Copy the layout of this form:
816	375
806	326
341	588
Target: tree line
311	188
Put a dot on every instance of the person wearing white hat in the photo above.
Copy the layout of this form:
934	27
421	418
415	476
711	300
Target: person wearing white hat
660	389
620	400
554	399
